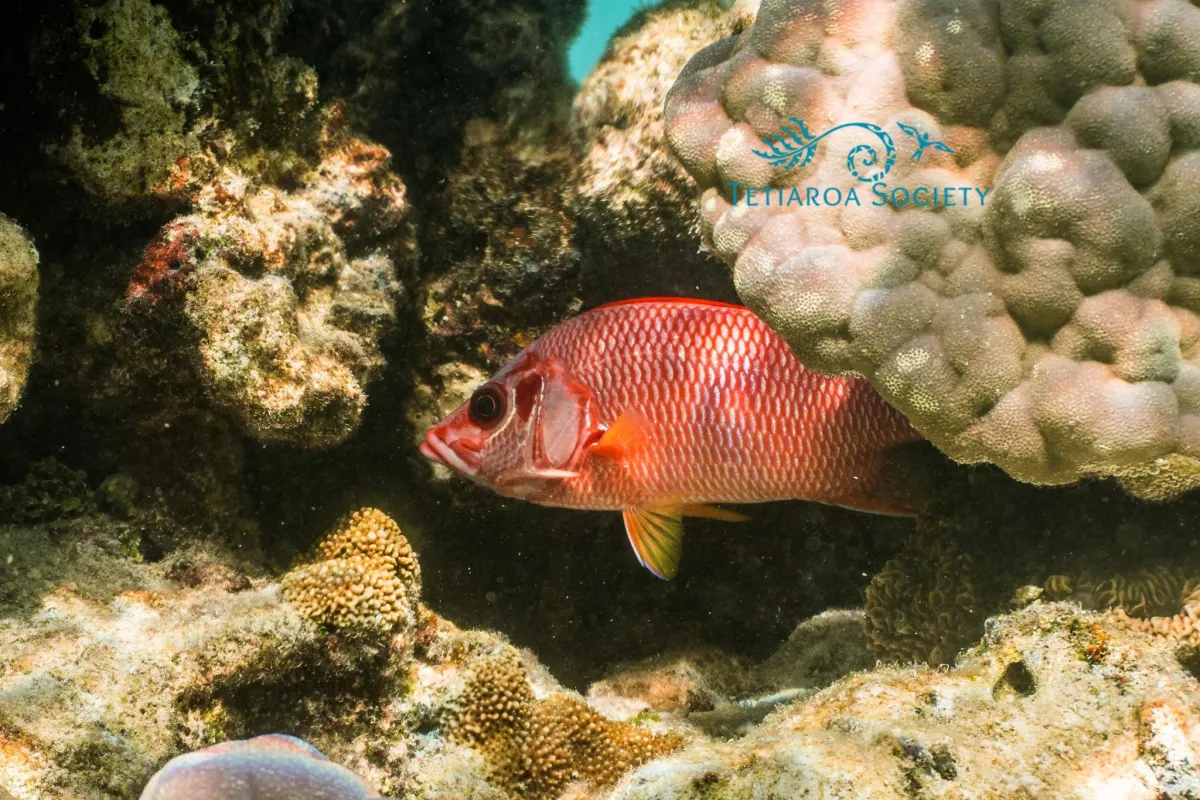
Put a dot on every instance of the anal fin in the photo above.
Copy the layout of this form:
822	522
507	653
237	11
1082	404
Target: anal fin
657	538
872	505
711	512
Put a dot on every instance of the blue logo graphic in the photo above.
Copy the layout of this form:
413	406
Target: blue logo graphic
796	148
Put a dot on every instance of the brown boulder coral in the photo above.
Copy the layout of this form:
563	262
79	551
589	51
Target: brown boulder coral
365	576
536	748
1051	327
18	312
286	294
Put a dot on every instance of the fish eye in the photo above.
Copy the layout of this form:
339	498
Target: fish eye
487	406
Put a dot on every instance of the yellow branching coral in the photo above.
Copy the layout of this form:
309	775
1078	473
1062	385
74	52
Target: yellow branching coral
536	748
926	603
364	575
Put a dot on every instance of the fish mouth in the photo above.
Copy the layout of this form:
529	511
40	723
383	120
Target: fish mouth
459	455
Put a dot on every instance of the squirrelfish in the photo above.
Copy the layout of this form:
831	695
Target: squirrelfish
660	407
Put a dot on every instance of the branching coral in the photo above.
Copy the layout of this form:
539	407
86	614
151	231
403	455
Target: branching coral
270	767
535	748
18	308
927	603
1049	321
364	576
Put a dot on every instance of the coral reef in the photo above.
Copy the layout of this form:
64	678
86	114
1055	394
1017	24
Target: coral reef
1116	709
1160	600
536	748
18	312
269	767
364	576
926	604
1034	328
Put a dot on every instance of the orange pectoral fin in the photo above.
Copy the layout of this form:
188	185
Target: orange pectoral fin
623	438
657	538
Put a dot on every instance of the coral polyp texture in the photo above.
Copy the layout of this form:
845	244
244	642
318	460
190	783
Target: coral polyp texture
364	576
536	748
286	294
927	603
269	767
18	312
1043	315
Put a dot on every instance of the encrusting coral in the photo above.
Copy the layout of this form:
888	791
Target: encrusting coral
926	603
536	748
1045	317
363	576
269	767
18	312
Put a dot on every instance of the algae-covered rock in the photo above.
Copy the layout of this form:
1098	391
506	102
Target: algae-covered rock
1116	709
635	204
284	296
18	312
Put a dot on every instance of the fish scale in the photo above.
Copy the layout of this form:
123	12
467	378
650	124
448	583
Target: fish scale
733	416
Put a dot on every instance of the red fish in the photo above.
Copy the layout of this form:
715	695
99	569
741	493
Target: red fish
660	407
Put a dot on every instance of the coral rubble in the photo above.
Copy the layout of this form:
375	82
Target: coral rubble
269	767
1049	326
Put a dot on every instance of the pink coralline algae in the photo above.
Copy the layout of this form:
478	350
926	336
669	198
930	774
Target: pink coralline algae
1047	318
271	767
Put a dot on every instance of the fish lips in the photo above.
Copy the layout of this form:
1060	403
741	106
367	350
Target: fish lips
458	454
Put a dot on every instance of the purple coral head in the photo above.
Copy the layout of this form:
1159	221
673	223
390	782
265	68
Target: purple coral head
271	767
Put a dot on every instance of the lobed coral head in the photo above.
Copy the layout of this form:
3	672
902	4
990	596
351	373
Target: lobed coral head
271	767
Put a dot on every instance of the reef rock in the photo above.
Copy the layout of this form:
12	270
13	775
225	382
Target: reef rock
1053	703
634	202
18	312
150	101
285	294
1050	328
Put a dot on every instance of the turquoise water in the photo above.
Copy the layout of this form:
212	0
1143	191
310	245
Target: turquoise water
603	20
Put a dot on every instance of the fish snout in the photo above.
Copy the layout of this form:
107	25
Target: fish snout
460	454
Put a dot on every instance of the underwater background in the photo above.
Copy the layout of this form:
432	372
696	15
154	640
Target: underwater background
251	251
